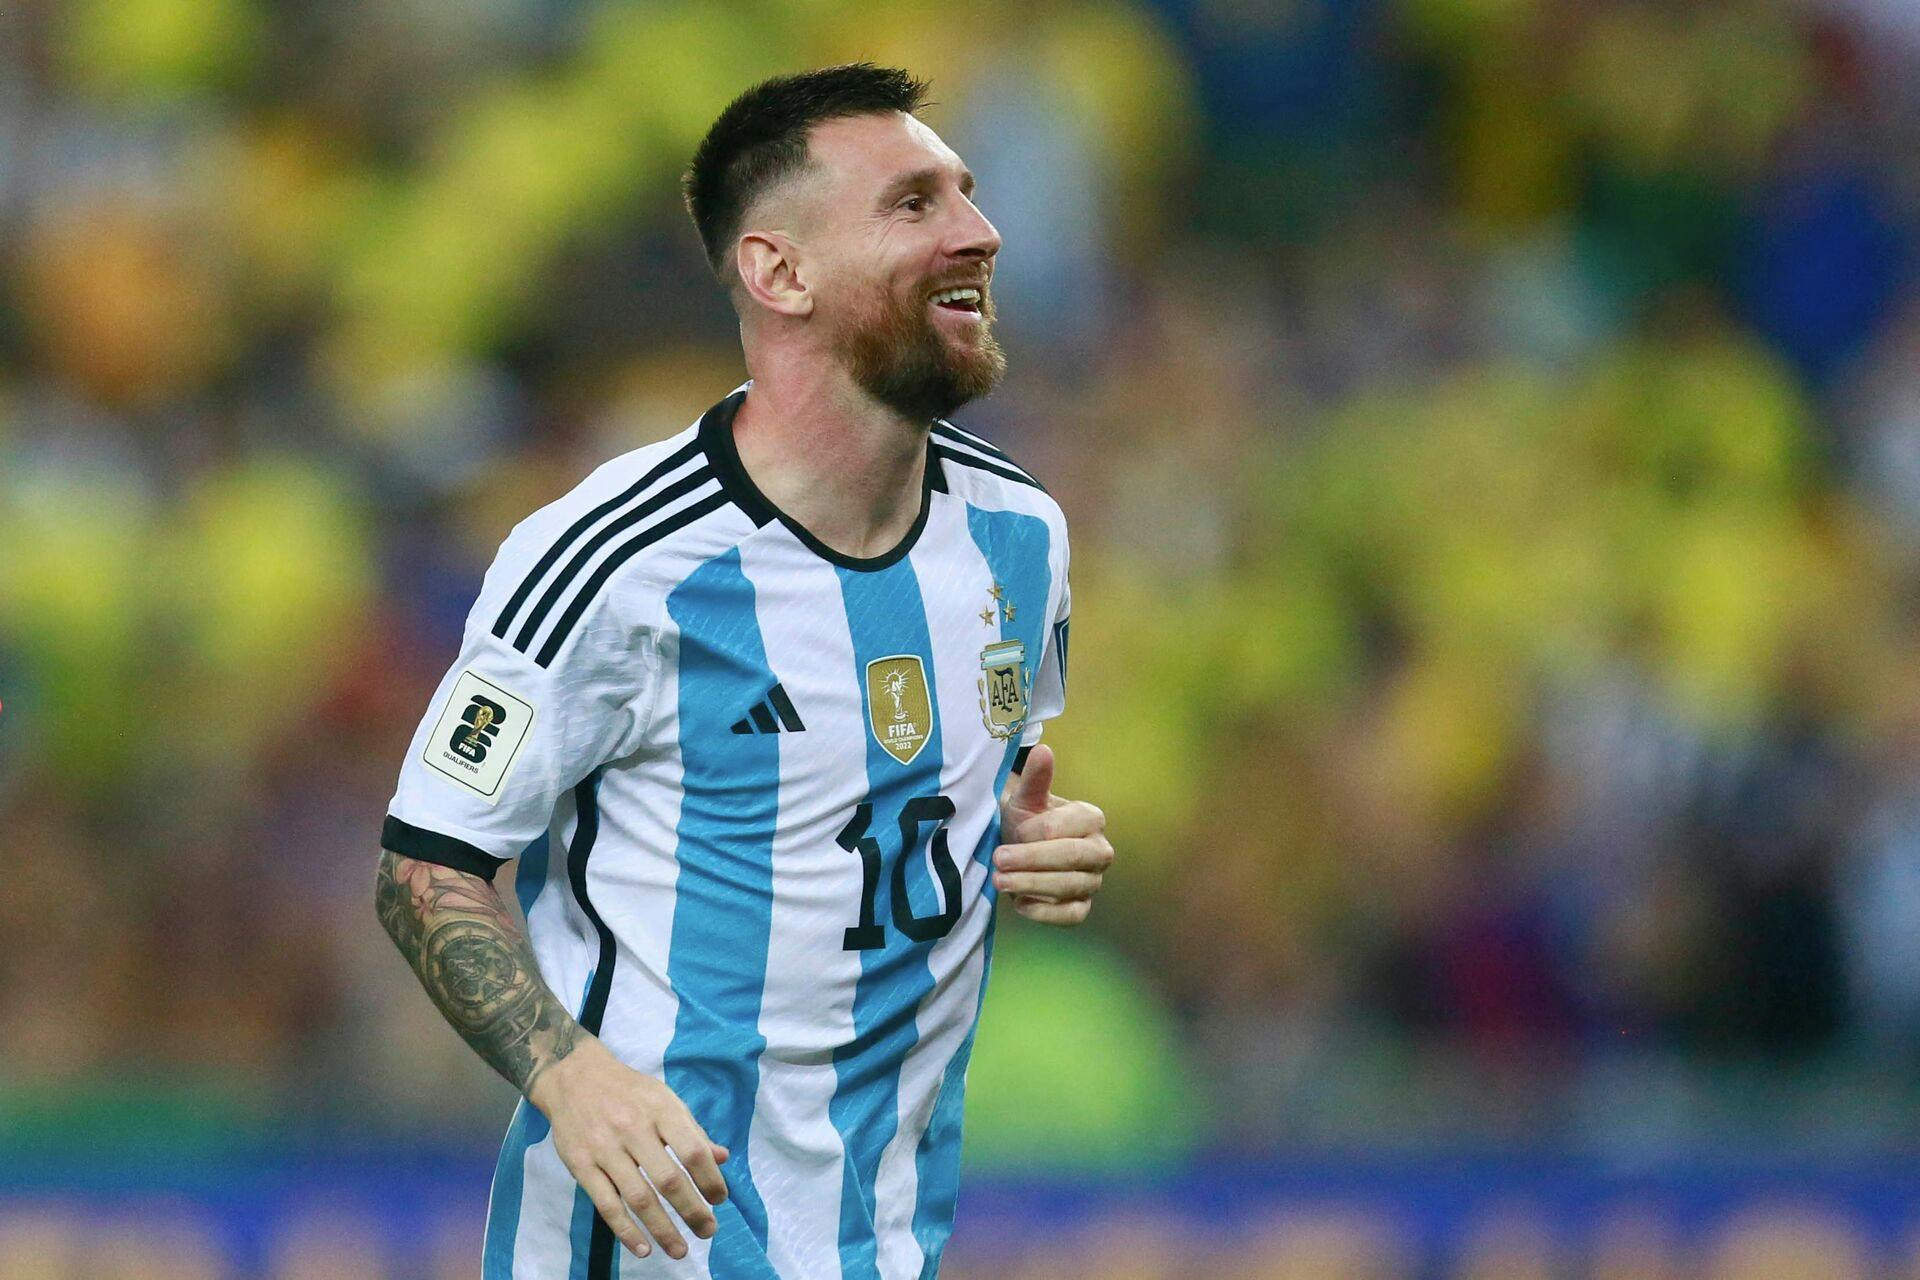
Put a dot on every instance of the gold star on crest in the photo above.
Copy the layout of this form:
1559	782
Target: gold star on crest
1008	607
995	591
986	615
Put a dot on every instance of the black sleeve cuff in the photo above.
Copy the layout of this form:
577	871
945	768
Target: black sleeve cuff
430	846
1019	760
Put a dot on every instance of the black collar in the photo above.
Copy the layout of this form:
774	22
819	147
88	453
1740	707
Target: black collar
716	437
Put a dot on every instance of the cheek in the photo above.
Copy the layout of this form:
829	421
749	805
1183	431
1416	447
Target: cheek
852	296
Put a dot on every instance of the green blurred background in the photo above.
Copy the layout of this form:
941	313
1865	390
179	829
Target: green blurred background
1491	435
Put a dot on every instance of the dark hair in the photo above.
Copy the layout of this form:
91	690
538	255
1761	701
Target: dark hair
761	138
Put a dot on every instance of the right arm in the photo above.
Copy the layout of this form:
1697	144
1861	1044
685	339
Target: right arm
610	1123
476	966
508	732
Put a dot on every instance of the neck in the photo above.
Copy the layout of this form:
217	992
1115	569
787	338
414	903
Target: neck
847	468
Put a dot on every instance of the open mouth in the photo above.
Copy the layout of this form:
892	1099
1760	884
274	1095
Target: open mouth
965	299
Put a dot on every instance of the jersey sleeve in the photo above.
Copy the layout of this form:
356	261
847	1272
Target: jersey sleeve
504	737
1049	696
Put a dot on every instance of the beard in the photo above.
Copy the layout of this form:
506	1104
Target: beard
898	355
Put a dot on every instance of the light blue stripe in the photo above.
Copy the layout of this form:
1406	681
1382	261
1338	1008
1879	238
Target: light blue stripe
723	907
1015	547
886	616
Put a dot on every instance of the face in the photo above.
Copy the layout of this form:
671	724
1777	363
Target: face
901	264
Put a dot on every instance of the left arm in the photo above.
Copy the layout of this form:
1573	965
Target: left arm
1053	853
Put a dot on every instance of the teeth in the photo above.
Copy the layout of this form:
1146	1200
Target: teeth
957	295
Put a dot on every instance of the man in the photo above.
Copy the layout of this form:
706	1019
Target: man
755	707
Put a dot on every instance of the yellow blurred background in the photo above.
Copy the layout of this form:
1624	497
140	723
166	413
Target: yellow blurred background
1491	435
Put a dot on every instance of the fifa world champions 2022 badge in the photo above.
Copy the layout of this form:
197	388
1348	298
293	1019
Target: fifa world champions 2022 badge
1006	683
899	705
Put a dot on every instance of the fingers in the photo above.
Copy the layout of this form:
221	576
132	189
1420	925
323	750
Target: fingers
1049	886
1066	853
611	1204
695	1152
640	1194
678	1190
1029	788
1068	819
1064	914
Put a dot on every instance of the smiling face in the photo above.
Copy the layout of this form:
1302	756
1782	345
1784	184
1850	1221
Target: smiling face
900	264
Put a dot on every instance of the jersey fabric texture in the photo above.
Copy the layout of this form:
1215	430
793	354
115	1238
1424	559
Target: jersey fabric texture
752	785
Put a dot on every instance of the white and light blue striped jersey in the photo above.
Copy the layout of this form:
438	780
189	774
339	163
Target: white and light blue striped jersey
753	788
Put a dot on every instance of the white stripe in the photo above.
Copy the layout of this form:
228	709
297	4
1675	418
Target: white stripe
555	923
636	894
798	1165
633	880
806	1007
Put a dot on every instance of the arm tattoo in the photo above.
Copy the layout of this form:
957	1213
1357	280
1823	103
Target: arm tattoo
475	964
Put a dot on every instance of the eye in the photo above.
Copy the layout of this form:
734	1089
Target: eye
914	204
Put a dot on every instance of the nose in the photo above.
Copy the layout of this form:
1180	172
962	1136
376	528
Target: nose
974	237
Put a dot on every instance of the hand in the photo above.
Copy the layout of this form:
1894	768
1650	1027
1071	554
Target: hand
1054	852
611	1125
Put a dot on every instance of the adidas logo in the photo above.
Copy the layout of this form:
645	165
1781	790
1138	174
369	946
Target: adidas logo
762	718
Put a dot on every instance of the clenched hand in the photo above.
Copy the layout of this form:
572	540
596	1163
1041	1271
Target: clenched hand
1054	853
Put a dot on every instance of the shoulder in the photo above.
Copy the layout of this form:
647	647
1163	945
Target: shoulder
984	474
592	548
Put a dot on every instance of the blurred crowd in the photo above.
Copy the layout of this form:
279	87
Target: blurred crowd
1490	431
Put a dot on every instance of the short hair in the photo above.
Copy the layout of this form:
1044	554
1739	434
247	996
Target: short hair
761	140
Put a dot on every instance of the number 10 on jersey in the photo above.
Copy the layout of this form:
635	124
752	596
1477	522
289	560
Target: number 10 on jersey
914	815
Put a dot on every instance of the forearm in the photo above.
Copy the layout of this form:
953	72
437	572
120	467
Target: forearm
476	965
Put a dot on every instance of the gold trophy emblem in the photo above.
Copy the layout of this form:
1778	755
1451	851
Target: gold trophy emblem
482	718
899	706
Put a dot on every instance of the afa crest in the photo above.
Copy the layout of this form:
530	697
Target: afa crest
1005	684
899	708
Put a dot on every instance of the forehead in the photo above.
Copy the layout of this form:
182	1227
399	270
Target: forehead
860	154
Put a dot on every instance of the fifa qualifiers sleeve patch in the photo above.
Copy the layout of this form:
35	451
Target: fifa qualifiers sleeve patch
479	735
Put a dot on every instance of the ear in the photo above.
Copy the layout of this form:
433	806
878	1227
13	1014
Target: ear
769	267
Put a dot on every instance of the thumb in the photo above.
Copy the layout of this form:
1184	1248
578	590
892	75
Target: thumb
1032	785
